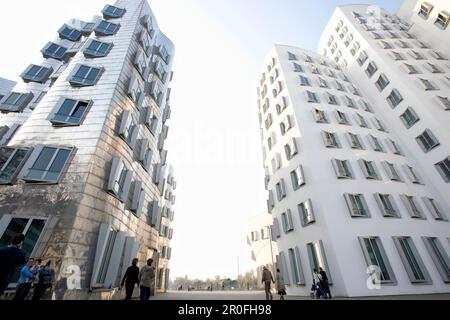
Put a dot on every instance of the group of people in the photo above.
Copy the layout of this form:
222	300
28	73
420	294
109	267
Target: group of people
33	274
144	278
319	289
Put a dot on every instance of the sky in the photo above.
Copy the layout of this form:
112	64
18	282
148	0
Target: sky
214	141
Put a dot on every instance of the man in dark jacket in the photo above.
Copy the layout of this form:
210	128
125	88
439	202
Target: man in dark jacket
11	258
130	279
325	284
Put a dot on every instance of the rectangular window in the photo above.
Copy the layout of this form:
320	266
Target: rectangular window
391	171
376	144
284	102
312	97
385	44
362	58
410	172
416	55
437	55
397	56
16	102
70	112
281	190
342	118
119	179
439	256
331	99
443	168
409	117
54	51
394	98
425	10
314	69
412	261
434	209
128	129
361	121
306	213
164	54
135	91
298	178
69	33
286	125
296	267
304	81
427	141
371	69
342	169
357	205
414	209
35	73
46	164
270	202
339	86
410	69
291	149
138	197
320	116
145	154
376	256
11	162
111	12
286	219
427	84
157	92
317	258
97	49
105	28
330	140
387	205
442	20
355	141
434	68
85	76
382	82
323	83
297	67
366	106
292	56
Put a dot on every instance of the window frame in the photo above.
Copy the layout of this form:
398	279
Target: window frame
57	108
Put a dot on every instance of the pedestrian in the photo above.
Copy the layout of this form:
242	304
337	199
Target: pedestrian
317	279
146	278
25	281
44	282
281	287
325	283
130	279
37	266
11	257
267	280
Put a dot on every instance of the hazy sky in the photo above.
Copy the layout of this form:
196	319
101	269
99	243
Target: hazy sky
214	140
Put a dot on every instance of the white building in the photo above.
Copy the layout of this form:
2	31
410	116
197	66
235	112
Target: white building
345	191
82	170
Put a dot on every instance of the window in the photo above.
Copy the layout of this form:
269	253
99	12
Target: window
292	56
317	258
297	271
387	205
85	76
354	90
376	35
298	178
439	256
141	64
357	205
397	56
11	162
342	169
427	84
52	50
330	140
128	130
376	144
69	33
286	219
284	102
355	141
361	121
434	209
393	35
312	97
291	149
391	171
382	82
135	91
427	141
414	209
330	73
342	118
70	112
394	147
36	73
7	133
270	202
304	81
307	58
365	106
164	54
339	86
434	68
269	122
281	190
331	99
394	98
442	20
437	55
443	168
297	67
314	69
16	102
412	174
97	49
157	92
119	180
286	125
385	44
375	255
425	10
38	100
146	42
46	164
111	12
105	28
409	117
411	260
445	102
403	44
416	55
145	154
410	68
87	28
137	200
306	213
320	116
323	83
371	69
161	72
362	58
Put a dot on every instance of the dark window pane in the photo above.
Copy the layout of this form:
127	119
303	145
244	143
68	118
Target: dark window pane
32	236
14	227
44	159
57	165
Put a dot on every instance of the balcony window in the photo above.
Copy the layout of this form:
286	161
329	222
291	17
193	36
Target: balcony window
306	213
128	129
52	50
70	112
312	97
36	73
342	168
119	182
413	207
355	141
427	84
442	20
387	205
97	49
69	33
409	117
320	116
425	10
11	162
85	76
394	98
443	167
298	178
16	102
357	205
111	12
330	140
105	28
369	169
376	144
371	69
427	141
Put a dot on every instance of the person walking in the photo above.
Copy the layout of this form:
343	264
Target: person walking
25	281
11	257
317	280
281	287
146	278
130	279
44	282
267	280
325	284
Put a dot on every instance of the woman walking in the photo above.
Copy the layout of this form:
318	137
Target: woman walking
281	287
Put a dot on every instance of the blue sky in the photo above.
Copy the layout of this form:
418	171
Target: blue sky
214	140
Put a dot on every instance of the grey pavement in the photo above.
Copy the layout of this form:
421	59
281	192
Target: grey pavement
260	295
